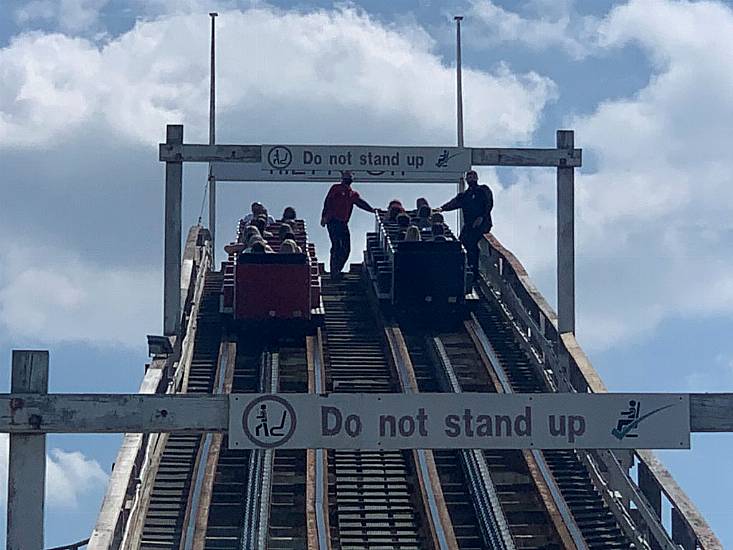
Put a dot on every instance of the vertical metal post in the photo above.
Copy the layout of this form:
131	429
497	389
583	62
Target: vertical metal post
459	104
212	133
27	464
172	268
565	239
459	81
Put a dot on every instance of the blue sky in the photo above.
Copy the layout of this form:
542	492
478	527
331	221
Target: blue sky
87	86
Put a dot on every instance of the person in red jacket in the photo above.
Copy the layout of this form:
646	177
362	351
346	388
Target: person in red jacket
337	209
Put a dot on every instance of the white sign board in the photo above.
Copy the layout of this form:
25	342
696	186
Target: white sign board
466	420
365	157
249	171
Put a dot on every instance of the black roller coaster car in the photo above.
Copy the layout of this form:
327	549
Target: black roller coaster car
410	273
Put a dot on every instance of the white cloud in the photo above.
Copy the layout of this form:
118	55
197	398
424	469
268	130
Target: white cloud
51	296
653	222
71	16
320	75
553	24
333	69
69	476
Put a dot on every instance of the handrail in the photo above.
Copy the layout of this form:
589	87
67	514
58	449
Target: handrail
537	321
134	456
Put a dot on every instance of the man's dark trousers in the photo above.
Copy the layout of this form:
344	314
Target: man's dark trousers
470	237
338	231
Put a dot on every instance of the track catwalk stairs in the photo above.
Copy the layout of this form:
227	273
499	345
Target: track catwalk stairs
226	511
372	493
596	522
168	504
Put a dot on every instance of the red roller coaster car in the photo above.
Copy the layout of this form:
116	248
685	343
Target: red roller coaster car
270	286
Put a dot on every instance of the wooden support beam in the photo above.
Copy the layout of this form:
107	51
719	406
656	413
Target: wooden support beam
711	412
169	152
497	156
565	238
112	413
172	239
27	462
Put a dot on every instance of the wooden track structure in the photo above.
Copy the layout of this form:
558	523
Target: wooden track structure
635	501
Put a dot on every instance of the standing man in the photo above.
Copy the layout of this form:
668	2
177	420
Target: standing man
476	203
337	209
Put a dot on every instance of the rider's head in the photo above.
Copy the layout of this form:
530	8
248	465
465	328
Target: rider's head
257	208
471	178
347	177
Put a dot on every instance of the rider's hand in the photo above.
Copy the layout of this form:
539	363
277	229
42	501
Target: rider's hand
438	210
477	222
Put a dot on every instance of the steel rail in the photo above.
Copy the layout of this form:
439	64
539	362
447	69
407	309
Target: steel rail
255	522
494	524
323	540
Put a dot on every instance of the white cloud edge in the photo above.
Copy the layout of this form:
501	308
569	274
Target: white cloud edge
69	476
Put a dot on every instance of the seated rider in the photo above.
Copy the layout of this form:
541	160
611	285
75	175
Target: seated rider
288	213
261	223
283	230
423	216
412	233
258	210
394	209
289	246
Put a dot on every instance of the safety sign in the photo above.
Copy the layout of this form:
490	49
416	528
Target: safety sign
466	420
365	157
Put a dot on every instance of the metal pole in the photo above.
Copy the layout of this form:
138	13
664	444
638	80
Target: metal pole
459	83
27	463
212	133
172	261
565	239
459	104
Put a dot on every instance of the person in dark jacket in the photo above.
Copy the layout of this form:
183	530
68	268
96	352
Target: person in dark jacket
337	208
476	202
